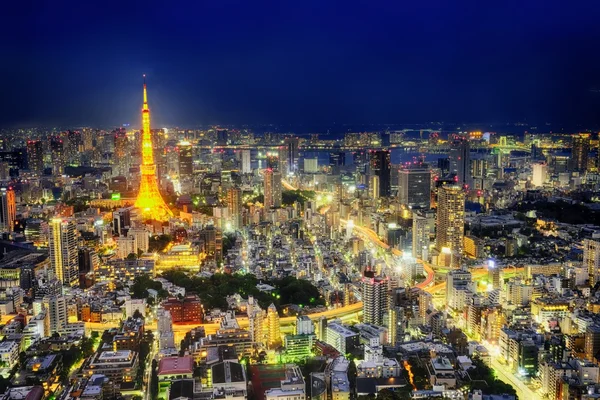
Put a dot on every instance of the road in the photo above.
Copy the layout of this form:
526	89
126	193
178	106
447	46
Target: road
374	238
523	391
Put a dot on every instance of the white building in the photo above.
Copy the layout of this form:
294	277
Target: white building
540	174
9	353
125	246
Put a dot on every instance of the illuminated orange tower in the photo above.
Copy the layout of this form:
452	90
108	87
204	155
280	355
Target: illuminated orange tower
149	199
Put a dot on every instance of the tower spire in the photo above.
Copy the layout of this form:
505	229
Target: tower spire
145	94
149	200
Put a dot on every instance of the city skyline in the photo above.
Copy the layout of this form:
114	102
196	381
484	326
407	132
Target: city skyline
290	64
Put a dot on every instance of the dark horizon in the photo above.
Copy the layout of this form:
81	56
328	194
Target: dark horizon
315	64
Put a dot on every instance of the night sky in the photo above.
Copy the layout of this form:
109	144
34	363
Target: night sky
299	62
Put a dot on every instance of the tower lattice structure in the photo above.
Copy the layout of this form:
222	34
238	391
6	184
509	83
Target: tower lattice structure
149	200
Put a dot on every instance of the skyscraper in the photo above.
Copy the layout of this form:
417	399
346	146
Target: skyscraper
273	328
246	165
580	152
149	200
414	188
57	152
375	298
234	203
451	221
186	166
120	152
291	145
460	160
421	227
35	156
272	188
380	166
336	161
8	209
62	243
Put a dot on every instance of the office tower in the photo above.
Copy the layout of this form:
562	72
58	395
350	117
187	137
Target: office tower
374	187
185	160
56	308
591	259
120	151
380	166
88	261
8	209
291	147
256	318
422	225
322	329
360	159
414	187
460	160
121	221
57	153
540	174
580	152
149	200
35	156
272	161
375	296
336	161
246	165
450	222
234	204
273	328
62	243
311	165
457	281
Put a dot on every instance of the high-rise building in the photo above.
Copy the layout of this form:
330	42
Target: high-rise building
273	328
580	152
35	156
141	237
450	222
375	296
234	204
311	165
494	275
8	209
121	152
56	308
540	174
291	146
414	187
380	165
460	160
423	222
246	162
121	221
591	259
457	282
336	161
149	200
592	343
62	243
186	166
57	152
272	189
212	238
374	187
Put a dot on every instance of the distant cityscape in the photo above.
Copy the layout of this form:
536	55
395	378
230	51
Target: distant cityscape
223	263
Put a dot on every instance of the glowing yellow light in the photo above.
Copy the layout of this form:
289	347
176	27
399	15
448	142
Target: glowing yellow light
149	199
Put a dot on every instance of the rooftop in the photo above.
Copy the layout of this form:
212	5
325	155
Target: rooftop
176	365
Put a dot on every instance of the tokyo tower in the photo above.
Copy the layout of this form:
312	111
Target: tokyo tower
149	200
